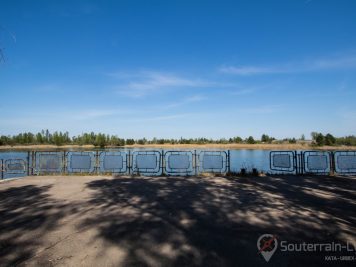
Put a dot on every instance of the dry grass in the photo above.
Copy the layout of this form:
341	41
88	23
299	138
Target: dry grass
247	146
189	146
45	147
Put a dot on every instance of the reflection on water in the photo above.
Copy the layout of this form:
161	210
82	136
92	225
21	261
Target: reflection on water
248	159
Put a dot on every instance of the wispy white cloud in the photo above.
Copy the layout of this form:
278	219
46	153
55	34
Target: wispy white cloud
249	70
95	113
252	88
146	82
158	118
188	100
344	62
333	63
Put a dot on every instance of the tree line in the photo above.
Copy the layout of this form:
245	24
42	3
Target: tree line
320	139
45	137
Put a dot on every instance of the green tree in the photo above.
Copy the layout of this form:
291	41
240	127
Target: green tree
142	141
292	140
265	138
314	135
57	138
39	138
47	134
319	139
250	140
330	140
130	142
237	139
347	140
100	140
223	141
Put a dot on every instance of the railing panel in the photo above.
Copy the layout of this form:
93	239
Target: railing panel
83	162
49	162
345	162
113	161
282	161
151	162
15	166
179	162
213	161
146	162
316	162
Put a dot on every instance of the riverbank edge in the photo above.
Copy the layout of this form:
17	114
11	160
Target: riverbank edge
183	146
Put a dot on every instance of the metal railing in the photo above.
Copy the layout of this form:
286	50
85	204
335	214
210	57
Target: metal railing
172	162
145	162
314	162
345	162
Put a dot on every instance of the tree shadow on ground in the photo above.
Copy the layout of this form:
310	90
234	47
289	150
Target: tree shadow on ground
189	221
25	209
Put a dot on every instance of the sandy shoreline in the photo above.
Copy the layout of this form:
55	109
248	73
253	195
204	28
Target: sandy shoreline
187	146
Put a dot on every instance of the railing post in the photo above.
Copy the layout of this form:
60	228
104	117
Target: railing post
195	163
33	165
301	162
332	163
97	162
162	163
228	161
64	162
129	162
296	162
2	169
28	162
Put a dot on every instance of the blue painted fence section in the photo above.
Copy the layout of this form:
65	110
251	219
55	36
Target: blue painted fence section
14	164
158	162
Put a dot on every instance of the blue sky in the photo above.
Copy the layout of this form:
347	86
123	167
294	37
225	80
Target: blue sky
179	68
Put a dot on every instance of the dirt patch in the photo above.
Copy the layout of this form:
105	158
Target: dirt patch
171	221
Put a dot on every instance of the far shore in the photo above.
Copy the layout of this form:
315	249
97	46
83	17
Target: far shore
186	146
